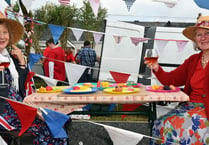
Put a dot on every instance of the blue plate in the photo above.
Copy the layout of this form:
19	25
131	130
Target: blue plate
69	91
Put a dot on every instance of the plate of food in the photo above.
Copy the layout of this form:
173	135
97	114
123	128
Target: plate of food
135	85
49	89
121	90
160	88
79	90
87	84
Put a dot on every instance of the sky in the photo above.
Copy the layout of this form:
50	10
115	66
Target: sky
143	10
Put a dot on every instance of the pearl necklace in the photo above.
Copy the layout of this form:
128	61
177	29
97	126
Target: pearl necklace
203	60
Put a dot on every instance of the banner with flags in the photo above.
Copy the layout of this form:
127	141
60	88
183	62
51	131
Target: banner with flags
25	113
55	121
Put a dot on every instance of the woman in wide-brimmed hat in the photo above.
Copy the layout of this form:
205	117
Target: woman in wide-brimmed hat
11	32
188	123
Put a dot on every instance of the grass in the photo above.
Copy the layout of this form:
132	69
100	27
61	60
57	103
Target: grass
39	82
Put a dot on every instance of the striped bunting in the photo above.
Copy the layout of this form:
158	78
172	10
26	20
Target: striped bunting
5	125
64	2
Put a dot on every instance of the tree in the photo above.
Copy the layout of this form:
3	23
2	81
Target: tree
58	15
87	19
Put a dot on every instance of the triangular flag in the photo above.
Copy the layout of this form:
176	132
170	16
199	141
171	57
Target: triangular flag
77	33
168	3
2	142
49	81
25	113
56	32
119	77
161	45
64	2
121	136
202	3
34	58
117	38
129	107
55	121
95	6
97	37
74	72
181	45
129	4
27	4
136	40
8	2
20	18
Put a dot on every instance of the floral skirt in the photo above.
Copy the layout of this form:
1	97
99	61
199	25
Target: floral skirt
185	125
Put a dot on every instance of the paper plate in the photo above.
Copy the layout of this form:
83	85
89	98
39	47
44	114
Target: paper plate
87	91
56	89
94	85
125	90
149	88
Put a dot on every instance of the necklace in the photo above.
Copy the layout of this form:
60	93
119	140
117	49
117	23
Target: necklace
203	61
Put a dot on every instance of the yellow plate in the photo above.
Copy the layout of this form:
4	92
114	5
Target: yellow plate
56	89
125	90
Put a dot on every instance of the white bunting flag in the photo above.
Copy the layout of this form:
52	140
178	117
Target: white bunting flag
49	81
161	45
27	4
77	33
74	72
117	39
121	136
97	37
181	45
136	40
95	6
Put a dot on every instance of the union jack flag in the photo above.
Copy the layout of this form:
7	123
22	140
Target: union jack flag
64	2
4	125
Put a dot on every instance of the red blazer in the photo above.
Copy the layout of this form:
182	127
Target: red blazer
181	76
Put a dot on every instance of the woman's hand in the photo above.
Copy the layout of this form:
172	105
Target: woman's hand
153	66
16	52
2	67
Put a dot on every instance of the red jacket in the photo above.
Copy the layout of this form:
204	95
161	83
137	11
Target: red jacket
182	75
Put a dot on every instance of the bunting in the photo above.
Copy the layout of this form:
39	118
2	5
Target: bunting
8	2
129	4
95	6
117	39
77	33
121	136
202	3
55	121
27	4
64	2
119	77
25	113
136	40
4	125
74	72
56	32
48	81
181	45
168	3
34	58
161	45
97	37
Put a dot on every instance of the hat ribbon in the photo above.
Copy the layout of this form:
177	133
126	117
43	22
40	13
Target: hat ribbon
203	23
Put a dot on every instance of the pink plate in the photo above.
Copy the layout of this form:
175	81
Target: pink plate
149	88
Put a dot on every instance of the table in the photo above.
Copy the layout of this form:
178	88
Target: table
68	103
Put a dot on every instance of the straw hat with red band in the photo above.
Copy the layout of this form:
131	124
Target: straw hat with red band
202	22
15	27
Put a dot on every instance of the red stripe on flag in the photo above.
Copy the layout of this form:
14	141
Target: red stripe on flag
64	2
5	124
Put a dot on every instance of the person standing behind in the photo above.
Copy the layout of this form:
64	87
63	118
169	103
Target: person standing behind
56	67
69	55
87	57
46	60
